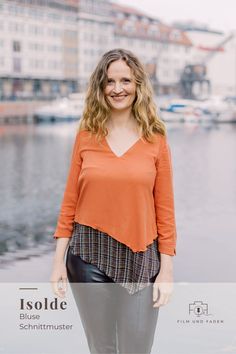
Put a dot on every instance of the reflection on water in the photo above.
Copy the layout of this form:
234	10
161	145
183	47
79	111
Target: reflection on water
34	163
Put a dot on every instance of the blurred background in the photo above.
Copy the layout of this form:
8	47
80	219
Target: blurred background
48	50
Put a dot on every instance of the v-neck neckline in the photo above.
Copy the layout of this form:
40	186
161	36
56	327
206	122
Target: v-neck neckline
130	148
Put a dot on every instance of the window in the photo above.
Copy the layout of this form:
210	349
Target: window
17	65
129	27
71	34
16	27
35	30
70	18
133	18
145	20
54	16
154	31
16	46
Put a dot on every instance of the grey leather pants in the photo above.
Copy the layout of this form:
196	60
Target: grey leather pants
113	320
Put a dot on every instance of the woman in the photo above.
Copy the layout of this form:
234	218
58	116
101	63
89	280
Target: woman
117	215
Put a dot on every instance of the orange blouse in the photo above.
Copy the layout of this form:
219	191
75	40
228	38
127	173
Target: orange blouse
129	197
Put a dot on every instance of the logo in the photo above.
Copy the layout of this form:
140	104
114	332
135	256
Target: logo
198	308
198	312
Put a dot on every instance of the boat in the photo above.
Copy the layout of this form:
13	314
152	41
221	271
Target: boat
62	109
222	109
216	109
184	110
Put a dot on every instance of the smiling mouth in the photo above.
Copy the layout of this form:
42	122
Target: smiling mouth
119	98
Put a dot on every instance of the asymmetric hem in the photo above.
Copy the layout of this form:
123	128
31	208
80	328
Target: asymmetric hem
132	270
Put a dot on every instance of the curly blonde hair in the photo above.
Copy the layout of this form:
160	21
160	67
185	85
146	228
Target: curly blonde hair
96	110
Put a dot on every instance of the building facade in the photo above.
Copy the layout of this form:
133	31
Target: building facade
38	48
49	48
95	36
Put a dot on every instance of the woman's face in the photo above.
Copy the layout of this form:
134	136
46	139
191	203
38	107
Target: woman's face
120	88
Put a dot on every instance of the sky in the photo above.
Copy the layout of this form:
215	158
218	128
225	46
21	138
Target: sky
218	14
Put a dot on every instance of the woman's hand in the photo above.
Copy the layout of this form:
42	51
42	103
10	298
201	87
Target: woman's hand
163	285
59	275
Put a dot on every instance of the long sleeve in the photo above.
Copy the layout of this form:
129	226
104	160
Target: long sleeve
68	206
164	201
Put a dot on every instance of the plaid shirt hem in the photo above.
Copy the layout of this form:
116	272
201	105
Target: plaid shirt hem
132	270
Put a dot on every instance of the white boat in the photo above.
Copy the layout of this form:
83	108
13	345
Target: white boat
62	109
184	110
222	110
171	116
214	109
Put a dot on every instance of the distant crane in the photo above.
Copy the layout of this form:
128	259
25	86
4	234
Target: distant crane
196	74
